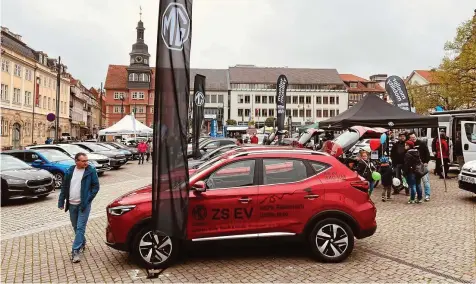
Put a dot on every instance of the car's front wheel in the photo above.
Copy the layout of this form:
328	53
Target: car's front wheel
331	240
154	250
58	179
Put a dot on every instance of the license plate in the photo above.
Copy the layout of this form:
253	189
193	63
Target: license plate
468	179
41	189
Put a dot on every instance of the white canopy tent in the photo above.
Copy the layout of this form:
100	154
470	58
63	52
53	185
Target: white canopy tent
127	125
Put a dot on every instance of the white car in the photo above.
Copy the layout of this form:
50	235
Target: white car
467	177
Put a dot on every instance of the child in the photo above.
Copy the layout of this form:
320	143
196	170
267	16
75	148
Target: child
386	174
365	169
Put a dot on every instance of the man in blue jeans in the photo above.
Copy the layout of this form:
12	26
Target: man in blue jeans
80	186
425	158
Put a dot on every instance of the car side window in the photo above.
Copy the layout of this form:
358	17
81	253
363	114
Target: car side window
283	171
30	157
318	167
226	142
236	174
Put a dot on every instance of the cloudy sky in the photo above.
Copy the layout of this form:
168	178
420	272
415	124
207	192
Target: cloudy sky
361	37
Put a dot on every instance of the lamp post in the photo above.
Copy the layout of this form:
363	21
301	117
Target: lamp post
122	105
59	70
100	107
37	92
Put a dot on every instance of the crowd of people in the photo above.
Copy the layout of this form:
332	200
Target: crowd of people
407	168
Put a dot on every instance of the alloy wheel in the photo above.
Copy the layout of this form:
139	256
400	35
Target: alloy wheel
332	240
58	179
155	248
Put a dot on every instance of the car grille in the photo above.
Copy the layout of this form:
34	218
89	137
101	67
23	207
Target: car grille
468	174
103	162
39	182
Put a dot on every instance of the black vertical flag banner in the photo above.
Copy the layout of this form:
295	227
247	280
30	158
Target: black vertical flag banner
198	111
397	91
171	104
281	88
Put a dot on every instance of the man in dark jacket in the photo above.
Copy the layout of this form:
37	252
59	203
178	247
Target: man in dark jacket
80	186
397	154
425	158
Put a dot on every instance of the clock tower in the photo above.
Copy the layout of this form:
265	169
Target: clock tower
139	72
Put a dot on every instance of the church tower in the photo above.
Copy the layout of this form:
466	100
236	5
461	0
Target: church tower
139	72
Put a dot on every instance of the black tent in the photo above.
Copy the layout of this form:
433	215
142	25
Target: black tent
372	111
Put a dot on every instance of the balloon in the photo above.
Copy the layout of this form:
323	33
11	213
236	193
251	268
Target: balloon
376	176
383	138
374	144
396	182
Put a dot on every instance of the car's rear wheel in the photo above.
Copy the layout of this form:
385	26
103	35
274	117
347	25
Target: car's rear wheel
100	173
58	179
154	250
331	240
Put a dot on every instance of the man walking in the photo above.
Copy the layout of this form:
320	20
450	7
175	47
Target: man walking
397	154
425	158
80	186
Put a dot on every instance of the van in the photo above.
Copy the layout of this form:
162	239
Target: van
460	127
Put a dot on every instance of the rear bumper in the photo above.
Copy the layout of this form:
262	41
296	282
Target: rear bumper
366	233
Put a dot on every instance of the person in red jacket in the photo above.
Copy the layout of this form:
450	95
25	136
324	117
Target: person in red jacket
254	139
141	148
445	152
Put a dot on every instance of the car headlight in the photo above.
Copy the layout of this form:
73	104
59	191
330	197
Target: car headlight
15	181
93	162
120	210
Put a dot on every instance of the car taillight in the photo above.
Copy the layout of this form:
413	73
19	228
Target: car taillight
361	185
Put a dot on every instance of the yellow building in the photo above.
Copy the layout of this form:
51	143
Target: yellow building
23	116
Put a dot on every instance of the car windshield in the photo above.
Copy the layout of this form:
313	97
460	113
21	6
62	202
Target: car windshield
117	146
53	155
12	163
73	149
95	147
219	152
108	146
347	139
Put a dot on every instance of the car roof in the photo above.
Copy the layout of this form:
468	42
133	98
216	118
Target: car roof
288	153
16	151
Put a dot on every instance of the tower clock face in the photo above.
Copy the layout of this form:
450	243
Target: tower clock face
138	59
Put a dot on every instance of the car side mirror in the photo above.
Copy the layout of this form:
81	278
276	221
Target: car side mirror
38	162
200	186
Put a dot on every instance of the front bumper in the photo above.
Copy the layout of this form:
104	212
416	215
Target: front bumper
464	185
24	191
117	162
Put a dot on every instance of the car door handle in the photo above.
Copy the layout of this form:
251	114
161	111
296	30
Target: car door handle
245	200
311	196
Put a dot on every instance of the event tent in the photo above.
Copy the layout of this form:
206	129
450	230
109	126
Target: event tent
127	125
372	111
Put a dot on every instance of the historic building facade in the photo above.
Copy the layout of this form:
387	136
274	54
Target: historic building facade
23	110
358	87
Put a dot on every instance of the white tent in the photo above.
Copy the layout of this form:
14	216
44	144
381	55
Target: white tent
127	125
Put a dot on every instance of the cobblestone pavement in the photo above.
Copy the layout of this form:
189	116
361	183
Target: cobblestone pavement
430	242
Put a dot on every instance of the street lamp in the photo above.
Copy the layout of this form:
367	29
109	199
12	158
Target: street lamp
121	97
60	70
37	92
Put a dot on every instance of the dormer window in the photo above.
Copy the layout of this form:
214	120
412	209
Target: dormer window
41	58
146	61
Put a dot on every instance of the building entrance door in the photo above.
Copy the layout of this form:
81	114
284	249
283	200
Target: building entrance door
16	136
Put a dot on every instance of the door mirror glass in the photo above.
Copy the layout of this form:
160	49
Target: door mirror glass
200	186
37	162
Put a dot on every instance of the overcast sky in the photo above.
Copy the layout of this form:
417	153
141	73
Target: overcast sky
361	37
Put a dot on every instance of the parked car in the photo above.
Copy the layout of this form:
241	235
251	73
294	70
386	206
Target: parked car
132	149
54	161
116	157
127	153
210	144
255	194
100	162
20	180
467	177
195	163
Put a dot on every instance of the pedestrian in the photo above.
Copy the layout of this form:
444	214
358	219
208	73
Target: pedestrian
149	149
365	169
425	158
397	155
80	186
445	154
142	148
386	177
458	150
411	161
254	139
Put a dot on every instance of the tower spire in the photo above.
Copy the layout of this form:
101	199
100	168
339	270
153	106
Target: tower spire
140	13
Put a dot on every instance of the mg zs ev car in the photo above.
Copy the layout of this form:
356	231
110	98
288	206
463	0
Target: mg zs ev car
258	194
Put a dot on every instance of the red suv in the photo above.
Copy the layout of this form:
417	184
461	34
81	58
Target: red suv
266	193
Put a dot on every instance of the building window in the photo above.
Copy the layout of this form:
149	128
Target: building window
240	99
16	96
271	112
213	99
247	112
240	112
288	99
333	113
257	99
4	127
17	70
271	99
264	99
301	99
28	74
117	109
353	85
27	98
308	100
264	112
54	106
337	112
39	101
301	113
247	99
332	100
295	112
318	113
308	113
117	95
319	100
326	113
325	100
138	95
295	99
337	100
5	65
220	99
49	103
288	112
4	93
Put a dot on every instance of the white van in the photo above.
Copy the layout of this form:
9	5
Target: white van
456	123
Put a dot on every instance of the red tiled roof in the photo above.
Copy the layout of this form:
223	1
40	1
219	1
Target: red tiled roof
94	91
426	74
352	78
117	77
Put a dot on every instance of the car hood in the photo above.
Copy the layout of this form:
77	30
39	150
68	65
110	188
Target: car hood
65	163
26	174
470	166
109	154
93	156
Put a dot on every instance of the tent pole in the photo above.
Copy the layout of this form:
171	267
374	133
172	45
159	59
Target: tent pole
442	163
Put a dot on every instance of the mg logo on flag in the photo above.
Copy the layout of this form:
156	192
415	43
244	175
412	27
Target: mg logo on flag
175	26
199	99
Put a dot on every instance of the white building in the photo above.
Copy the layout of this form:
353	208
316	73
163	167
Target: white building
313	94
